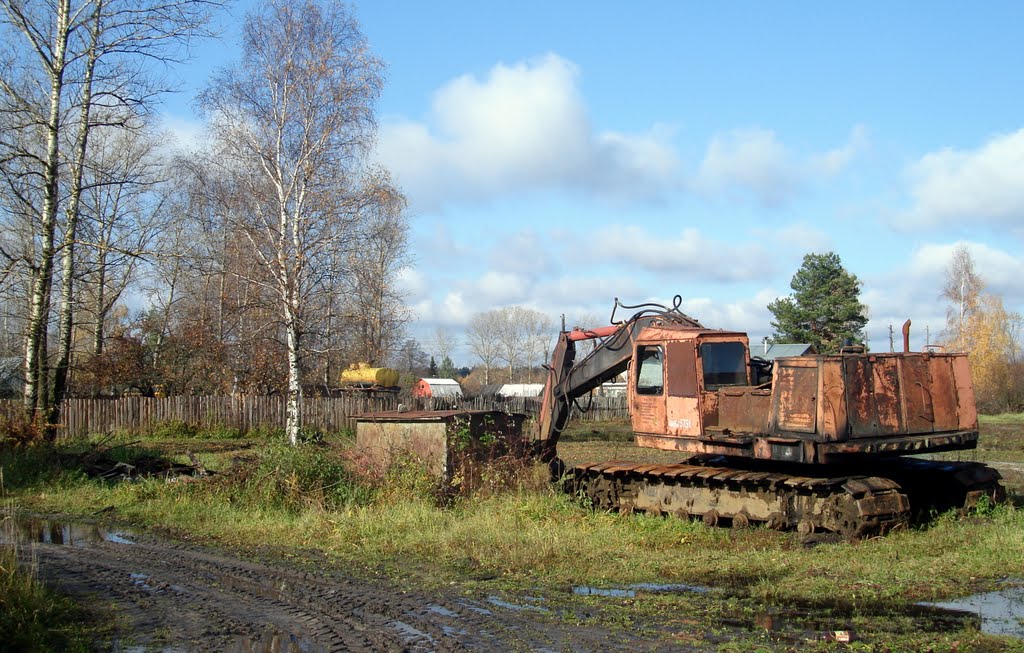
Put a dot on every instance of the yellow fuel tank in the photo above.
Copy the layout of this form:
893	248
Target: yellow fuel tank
364	374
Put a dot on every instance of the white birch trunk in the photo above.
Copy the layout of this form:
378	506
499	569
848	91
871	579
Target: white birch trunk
36	395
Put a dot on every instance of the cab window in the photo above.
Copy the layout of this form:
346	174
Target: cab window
650	370
724	363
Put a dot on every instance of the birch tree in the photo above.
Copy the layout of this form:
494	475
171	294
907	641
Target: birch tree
962	291
122	213
66	59
293	121
377	312
482	336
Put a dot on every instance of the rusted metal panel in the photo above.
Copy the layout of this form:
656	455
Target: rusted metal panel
966	408
943	393
918	413
682	369
898	445
709	410
794	397
743	410
832	405
860	403
648	413
887	394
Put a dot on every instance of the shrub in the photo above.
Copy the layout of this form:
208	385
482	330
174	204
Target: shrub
296	478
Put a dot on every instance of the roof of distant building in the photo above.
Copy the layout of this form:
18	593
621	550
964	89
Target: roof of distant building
781	350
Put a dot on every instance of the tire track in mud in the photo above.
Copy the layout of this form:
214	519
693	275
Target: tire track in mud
176	596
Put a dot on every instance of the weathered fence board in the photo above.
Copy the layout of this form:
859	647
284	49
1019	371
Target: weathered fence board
329	414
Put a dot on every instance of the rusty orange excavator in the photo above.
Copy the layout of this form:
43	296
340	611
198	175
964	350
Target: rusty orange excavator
813	443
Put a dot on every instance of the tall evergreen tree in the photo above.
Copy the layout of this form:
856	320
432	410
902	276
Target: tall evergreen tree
825	308
447	369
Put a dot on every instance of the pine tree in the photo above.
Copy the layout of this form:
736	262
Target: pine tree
447	369
825	308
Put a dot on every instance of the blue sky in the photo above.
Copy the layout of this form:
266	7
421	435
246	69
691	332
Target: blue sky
558	155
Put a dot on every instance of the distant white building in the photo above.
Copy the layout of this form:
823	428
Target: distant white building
520	390
611	389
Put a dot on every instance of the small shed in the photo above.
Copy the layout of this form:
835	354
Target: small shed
437	388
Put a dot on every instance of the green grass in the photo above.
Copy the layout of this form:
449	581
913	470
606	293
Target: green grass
526	534
310	494
32	618
1002	418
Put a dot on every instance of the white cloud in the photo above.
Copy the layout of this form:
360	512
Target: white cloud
998	269
835	161
689	253
750	159
451	311
524	252
755	161
749	315
982	185
523	127
798	237
412	283
185	134
501	288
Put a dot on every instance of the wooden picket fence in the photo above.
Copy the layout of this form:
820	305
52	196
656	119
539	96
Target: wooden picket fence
135	415
143	414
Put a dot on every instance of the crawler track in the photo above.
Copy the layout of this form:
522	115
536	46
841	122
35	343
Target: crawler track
841	501
854	506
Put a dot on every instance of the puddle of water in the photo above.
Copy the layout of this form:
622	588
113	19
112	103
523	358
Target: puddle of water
630	591
476	608
671	588
1001	611
441	610
615	592
410	632
31	530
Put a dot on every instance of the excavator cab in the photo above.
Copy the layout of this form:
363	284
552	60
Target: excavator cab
677	376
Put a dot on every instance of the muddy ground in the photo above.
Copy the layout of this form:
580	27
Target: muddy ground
165	595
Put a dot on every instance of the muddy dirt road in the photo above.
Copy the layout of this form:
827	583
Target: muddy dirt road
170	596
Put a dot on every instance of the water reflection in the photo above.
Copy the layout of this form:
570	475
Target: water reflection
29	530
